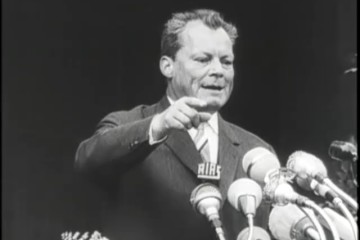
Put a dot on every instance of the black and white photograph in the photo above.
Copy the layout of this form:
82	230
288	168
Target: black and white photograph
179	120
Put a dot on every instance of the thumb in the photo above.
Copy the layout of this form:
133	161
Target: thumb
204	116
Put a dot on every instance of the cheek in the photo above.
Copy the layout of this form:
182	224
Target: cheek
195	75
187	72
181	77
230	73
229	77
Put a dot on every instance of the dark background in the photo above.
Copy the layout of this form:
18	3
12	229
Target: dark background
68	63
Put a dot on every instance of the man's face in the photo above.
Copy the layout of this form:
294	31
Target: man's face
203	66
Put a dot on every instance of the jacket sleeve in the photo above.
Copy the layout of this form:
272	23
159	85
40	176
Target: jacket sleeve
121	139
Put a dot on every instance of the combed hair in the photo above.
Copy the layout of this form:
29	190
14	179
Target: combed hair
170	36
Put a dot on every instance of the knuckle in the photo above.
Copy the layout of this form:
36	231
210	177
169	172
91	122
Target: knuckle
179	126
193	113
187	121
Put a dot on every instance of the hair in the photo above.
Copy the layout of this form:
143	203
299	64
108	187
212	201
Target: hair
170	36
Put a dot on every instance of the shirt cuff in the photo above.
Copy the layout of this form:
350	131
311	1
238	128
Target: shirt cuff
153	141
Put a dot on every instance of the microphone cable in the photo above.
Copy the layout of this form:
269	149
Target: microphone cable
352	203
341	206
325	217
310	214
250	218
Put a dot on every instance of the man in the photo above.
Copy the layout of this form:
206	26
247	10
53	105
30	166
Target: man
148	157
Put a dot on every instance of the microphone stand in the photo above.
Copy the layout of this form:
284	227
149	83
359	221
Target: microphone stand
353	173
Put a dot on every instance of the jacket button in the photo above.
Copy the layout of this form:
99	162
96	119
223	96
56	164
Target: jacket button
133	144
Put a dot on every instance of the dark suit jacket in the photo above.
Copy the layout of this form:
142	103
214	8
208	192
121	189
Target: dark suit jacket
150	186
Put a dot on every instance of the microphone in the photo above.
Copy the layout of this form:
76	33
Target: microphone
289	222
258	161
310	171
206	200
343	151
283	194
245	194
307	167
259	234
277	190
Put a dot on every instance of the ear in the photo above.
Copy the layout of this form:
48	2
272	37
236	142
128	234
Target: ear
167	66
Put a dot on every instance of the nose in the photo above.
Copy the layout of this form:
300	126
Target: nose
216	68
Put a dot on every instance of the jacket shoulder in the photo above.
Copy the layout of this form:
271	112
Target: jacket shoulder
121	116
124	116
251	139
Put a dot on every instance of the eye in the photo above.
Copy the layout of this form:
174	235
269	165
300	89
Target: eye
202	59
227	62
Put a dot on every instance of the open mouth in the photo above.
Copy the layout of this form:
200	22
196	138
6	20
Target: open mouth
213	87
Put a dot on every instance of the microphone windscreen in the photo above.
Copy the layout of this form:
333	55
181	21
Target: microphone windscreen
205	194
258	234
258	162
282	219
305	165
244	187
303	162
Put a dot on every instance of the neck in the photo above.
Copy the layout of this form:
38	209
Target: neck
171	94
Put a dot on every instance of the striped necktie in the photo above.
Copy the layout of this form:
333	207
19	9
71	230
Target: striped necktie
202	143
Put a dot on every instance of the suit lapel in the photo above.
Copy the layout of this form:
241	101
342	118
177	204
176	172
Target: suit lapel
227	156
178	141
183	147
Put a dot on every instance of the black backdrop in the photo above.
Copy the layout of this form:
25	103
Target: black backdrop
68	63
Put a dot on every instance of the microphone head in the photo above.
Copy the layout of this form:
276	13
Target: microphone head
205	196
279	193
343	151
282	220
240	191
258	162
306	166
258	234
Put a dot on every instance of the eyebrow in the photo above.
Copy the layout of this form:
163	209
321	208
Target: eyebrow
208	54
232	56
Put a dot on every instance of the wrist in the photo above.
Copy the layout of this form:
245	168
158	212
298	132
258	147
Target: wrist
156	132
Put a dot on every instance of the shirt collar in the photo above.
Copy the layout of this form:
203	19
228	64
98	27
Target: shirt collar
213	121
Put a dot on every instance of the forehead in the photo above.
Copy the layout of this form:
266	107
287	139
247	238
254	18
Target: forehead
197	35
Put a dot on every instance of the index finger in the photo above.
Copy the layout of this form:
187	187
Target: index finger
194	102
